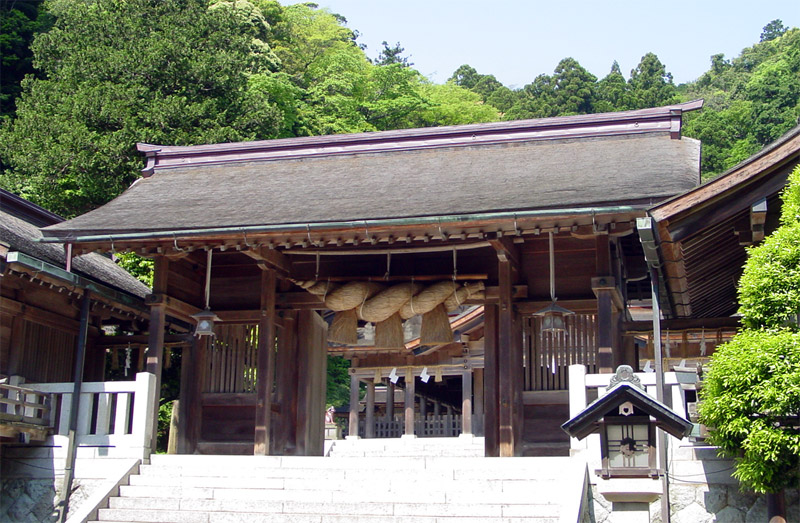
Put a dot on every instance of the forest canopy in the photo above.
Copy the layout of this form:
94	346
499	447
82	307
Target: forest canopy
85	81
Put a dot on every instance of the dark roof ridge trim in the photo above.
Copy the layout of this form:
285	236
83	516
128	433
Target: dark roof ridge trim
17	205
75	280
664	119
51	236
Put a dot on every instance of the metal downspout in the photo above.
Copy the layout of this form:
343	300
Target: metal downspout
72	448
653	260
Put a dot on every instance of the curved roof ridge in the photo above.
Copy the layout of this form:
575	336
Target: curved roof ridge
658	119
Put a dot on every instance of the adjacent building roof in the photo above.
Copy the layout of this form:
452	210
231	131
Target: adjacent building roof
704	231
634	157
19	231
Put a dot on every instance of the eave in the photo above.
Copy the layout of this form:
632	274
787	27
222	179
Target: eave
703	232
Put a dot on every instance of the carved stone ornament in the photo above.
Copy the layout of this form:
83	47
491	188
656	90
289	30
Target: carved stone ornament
625	373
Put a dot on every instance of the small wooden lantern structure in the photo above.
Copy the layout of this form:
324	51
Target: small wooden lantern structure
626	418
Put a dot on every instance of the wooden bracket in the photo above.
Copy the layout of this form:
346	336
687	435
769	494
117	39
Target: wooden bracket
506	249
270	259
608	284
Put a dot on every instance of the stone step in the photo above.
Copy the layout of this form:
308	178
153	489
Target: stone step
218	489
240	465
258	517
193	510
394	490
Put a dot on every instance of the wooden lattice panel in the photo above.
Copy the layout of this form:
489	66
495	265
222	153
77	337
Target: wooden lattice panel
548	355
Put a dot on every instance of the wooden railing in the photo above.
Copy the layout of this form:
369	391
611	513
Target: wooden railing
116	416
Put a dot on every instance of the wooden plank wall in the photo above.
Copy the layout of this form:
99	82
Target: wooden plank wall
549	355
47	354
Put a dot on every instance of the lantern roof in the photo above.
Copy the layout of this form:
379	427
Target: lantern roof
588	420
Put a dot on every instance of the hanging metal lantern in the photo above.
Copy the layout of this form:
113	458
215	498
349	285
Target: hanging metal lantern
206	318
553	315
205	323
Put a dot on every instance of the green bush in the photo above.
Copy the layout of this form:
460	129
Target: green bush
751	399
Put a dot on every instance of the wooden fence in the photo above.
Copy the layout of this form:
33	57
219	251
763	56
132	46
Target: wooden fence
23	412
432	426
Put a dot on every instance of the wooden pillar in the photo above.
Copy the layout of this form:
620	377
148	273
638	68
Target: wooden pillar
285	430
265	364
390	401
409	402
312	369
477	422
423	407
509	388
437	408
353	429
605	325
369	427
490	381
466	402
155	346
190	408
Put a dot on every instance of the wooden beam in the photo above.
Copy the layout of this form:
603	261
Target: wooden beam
506	249
37	315
588	306
680	324
174	306
266	348
271	259
141	339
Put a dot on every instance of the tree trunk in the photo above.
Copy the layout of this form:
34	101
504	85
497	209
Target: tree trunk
776	507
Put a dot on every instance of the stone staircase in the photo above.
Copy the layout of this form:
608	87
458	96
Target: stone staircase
463	446
390	489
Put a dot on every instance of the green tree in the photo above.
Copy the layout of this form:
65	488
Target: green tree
774	90
612	91
20	21
573	87
751	394
449	104
650	84
337	392
392	55
773	30
465	76
117	73
535	100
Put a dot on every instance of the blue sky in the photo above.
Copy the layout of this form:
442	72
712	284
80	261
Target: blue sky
517	40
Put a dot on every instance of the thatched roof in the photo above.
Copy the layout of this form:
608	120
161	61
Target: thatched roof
631	158
19	230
